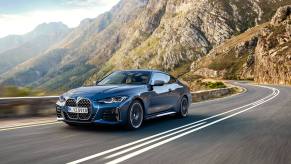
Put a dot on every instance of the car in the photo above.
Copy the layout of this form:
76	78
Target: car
126	97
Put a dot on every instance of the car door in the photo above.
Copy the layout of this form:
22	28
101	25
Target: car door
162	97
175	91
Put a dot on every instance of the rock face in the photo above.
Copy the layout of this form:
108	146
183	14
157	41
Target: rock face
273	52
86	48
186	31
261	53
282	14
233	59
160	34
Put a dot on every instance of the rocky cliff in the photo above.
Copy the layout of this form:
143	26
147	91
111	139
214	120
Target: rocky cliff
69	63
233	59
273	52
261	53
185	31
161	34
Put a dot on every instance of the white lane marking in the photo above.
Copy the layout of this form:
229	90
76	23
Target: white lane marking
27	126
150	137
151	141
128	156
129	144
162	133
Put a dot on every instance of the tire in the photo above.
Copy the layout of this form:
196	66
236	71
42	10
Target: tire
183	108
135	115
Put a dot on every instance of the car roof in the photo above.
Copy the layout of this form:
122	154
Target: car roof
145	70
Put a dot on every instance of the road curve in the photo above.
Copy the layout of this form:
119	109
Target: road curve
252	127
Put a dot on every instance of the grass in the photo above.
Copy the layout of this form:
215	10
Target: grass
197	83
73	78
214	85
224	58
13	91
182	69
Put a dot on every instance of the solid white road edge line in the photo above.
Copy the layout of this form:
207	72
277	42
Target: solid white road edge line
150	137
151	141
162	133
27	126
128	156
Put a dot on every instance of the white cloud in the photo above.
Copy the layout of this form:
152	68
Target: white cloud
89	3
23	23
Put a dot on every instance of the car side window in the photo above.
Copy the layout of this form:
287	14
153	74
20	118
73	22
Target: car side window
160	76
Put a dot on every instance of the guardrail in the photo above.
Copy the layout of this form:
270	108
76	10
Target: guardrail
45	105
213	93
27	106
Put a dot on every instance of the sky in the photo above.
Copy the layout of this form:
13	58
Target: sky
22	16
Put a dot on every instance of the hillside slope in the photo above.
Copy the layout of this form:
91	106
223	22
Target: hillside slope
85	49
231	60
187	31
273	52
23	47
262	53
10	42
165	34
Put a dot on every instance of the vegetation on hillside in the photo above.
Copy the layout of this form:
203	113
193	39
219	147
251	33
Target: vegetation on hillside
232	58
170	35
13	91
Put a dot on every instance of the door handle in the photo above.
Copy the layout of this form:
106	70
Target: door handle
170	90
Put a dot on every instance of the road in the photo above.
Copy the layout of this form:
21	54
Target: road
252	127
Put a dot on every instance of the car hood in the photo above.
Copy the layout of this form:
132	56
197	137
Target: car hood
100	91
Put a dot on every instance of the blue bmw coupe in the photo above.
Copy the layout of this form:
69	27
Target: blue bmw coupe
126	98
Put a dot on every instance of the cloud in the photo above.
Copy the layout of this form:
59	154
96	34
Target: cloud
89	3
71	16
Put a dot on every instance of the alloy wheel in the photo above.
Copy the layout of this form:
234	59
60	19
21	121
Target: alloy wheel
184	107
136	115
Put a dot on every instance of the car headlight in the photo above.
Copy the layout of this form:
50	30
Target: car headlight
113	100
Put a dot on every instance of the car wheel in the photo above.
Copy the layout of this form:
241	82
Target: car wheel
183	111
135	115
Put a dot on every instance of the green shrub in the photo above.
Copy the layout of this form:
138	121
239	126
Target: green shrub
214	85
13	91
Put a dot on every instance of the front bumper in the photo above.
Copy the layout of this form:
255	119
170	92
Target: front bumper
111	114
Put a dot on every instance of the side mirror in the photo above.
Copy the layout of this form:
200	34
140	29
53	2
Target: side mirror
158	83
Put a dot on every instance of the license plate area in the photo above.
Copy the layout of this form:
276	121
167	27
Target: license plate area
78	110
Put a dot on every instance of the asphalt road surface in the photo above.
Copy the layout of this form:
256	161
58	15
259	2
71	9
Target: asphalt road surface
250	128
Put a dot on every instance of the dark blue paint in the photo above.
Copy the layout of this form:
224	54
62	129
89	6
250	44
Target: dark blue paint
155	99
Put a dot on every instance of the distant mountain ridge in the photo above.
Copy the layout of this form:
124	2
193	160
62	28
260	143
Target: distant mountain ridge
20	48
168	34
9	42
73	60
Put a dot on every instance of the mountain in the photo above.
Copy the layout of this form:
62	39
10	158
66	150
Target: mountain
170	35
85	49
17	49
10	42
273	52
262	53
185	31
165	34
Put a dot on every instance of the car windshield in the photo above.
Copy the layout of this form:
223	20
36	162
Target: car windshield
127	78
